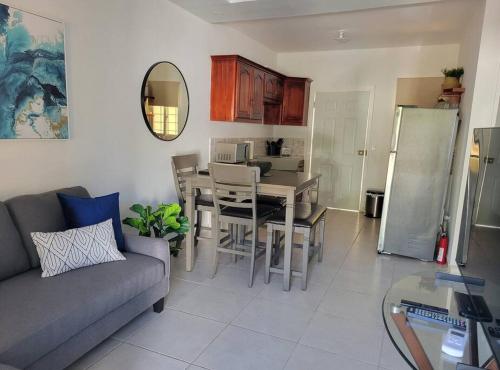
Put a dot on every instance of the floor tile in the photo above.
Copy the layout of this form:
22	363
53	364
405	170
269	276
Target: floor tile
309	298
134	325
177	334
179	289
200	273
134	358
367	282
278	319
96	354
236	280
322	273
337	320
390	358
353	305
348	337
241	349
316	359
213	303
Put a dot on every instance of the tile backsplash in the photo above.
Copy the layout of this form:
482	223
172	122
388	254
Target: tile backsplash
295	144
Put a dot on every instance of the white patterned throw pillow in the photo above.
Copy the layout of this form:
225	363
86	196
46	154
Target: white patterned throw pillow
75	248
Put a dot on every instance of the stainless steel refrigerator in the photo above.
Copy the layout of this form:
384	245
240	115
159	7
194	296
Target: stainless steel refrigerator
417	181
481	212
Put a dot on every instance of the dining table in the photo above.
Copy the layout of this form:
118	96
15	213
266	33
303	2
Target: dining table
281	184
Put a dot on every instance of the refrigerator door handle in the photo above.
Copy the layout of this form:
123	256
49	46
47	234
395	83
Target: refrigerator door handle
396	129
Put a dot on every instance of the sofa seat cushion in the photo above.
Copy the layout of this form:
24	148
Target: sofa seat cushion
37	315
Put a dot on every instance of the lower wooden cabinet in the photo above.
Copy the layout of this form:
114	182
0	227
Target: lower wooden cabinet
244	91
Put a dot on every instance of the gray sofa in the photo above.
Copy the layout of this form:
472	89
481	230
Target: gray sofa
49	323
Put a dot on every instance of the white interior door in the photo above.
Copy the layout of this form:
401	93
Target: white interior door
338	146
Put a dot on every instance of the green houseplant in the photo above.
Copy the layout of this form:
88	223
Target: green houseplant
452	77
164	222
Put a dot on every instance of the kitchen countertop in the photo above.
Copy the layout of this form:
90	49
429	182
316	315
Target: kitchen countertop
281	163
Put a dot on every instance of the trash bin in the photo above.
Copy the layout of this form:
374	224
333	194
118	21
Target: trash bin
374	203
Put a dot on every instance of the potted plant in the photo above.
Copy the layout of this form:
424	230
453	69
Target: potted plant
165	222
452	77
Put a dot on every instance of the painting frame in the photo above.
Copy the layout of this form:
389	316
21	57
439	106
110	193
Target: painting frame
58	93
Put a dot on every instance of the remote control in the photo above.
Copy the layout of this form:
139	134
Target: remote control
427	307
436	317
454	343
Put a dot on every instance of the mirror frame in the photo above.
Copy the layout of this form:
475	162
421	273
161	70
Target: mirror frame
143	87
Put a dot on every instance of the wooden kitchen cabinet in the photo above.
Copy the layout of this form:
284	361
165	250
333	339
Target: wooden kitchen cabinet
237	92
244	91
257	95
273	87
295	108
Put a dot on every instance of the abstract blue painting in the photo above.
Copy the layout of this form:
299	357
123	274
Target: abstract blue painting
33	103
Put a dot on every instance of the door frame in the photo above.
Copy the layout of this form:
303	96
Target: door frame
369	119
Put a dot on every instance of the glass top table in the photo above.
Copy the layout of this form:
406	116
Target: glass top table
425	288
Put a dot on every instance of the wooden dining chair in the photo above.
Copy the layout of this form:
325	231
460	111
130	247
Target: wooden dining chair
309	220
234	190
183	165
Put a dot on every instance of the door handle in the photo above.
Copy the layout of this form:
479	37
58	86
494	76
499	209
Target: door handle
363	152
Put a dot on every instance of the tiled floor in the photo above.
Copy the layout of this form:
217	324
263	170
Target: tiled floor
221	324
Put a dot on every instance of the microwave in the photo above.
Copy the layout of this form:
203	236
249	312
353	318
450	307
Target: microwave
231	153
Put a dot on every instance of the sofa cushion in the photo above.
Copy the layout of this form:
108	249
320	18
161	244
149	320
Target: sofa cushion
68	250
13	257
39	212
37	315
80	212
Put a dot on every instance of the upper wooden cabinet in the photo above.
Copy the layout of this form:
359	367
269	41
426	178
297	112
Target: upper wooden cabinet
257	95
295	101
244	91
273	87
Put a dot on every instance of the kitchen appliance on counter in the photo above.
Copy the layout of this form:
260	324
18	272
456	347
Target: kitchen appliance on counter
273	148
417	181
231	153
239	153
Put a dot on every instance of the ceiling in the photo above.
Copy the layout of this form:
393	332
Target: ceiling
220	11
312	25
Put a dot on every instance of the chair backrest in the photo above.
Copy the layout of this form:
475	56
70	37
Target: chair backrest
234	186
183	165
311	196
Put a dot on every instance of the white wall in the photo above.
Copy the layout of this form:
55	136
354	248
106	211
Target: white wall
110	45
376	69
481	104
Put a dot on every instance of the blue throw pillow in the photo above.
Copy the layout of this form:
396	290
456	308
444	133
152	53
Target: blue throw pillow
81	212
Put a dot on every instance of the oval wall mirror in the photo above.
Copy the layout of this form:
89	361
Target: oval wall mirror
165	101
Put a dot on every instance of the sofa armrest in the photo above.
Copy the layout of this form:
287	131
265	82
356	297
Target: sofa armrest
7	367
153	247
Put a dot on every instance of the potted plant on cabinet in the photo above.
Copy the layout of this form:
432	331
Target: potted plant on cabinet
452	77
165	222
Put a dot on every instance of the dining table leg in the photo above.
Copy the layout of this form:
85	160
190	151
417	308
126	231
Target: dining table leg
189	212
289	216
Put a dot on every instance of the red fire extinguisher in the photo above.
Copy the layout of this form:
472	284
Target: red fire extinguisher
442	249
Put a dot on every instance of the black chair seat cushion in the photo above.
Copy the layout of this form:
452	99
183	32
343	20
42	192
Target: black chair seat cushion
306	215
263	210
273	201
204	200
